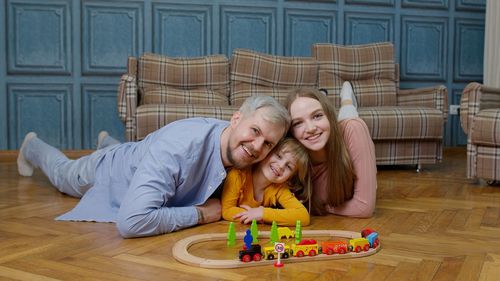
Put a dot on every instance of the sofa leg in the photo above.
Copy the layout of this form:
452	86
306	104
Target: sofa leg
419	168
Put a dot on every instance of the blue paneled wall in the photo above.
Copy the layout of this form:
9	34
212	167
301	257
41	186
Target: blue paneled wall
62	59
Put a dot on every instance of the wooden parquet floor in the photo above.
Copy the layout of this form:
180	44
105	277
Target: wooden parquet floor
434	225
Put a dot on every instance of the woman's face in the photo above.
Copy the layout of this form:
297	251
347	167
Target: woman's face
310	124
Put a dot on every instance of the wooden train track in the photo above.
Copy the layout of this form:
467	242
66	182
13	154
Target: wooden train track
181	249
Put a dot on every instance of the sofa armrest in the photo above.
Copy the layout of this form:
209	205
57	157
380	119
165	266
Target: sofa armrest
435	97
476	97
128	98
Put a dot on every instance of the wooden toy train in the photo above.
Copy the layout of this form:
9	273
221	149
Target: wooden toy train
335	243
310	247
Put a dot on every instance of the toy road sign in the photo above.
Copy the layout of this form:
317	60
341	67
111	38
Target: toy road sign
279	247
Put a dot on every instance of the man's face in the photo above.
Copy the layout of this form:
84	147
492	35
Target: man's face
251	139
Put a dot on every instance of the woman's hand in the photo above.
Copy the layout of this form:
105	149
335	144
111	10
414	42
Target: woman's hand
250	214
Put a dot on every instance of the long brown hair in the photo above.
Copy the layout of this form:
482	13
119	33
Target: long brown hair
340	170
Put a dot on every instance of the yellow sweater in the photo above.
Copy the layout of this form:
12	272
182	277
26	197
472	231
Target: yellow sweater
238	190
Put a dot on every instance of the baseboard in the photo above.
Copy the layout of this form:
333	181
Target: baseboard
11	155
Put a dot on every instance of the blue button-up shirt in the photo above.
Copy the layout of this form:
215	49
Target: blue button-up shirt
151	187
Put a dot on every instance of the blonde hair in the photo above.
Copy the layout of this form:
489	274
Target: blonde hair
340	170
300	183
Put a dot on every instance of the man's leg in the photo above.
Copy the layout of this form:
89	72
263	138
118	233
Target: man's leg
105	140
72	177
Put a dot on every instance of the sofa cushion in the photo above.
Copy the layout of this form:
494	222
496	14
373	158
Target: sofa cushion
486	127
370	68
254	73
162	75
403	123
151	117
170	95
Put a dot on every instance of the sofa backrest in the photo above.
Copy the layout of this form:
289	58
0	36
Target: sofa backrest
254	73
370	68
192	80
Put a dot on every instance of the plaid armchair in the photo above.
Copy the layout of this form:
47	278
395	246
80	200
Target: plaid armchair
480	120
407	126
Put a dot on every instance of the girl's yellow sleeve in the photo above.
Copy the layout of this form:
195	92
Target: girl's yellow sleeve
292	210
231	194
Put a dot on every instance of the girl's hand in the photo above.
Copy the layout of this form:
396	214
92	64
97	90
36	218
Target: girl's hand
250	214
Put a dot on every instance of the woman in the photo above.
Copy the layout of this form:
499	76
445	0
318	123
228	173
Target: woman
342	152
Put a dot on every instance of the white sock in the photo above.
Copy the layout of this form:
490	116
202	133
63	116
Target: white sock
348	108
24	167
100	139
347	112
347	94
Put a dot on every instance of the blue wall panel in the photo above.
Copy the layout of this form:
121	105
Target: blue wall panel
39	37
362	28
63	58
457	135
111	33
468	5
469	46
441	4
44	109
3	74
304	28
182	30
372	2
100	113
424	48
248	27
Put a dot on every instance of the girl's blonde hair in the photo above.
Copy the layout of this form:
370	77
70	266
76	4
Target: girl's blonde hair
300	183
340	170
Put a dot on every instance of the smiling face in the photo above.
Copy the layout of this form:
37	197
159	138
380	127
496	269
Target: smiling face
310	124
250	139
278	166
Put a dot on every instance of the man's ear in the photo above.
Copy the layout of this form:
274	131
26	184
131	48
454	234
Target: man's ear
236	118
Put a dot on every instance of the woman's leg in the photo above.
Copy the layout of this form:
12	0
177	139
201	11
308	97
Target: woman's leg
72	177
348	105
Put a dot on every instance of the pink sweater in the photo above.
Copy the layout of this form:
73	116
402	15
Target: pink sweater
362	151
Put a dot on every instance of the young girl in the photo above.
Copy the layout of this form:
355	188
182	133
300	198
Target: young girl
342	152
264	191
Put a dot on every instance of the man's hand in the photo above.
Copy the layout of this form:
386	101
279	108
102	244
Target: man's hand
209	212
250	214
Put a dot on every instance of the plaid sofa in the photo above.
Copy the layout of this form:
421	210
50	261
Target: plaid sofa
406	125
158	90
480	120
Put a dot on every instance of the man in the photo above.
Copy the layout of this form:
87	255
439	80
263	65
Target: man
162	183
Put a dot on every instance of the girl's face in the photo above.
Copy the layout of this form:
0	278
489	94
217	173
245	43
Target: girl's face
310	124
279	166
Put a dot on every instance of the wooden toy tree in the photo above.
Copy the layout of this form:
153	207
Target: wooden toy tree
255	231
298	232
231	235
274	233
